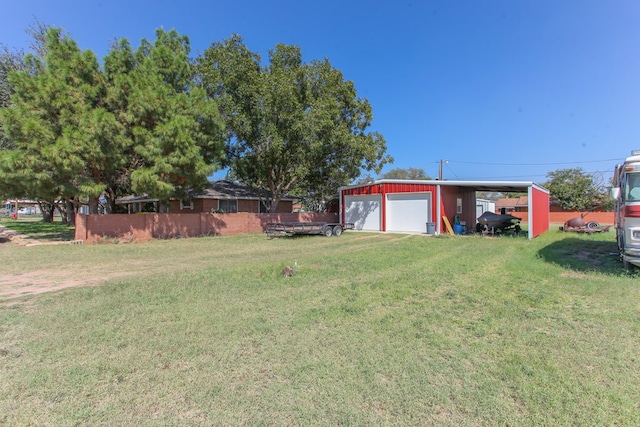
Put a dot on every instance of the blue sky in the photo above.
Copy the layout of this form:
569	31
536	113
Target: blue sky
503	90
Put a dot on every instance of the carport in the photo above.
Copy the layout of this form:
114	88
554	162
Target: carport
412	206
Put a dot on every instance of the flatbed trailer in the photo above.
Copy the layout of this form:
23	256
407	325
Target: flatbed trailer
328	229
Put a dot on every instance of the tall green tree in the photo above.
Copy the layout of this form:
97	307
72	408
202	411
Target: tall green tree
172	133
573	189
410	173
12	60
78	132
58	125
292	127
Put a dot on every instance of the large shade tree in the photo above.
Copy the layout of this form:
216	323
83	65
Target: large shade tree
292	127
573	189
57	125
12	60
410	173
171	130
79	133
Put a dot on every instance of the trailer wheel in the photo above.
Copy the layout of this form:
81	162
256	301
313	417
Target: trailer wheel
328	231
337	230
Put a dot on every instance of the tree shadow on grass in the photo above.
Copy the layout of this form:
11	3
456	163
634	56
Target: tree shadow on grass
41	231
585	256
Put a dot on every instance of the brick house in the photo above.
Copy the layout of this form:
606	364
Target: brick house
512	204
220	197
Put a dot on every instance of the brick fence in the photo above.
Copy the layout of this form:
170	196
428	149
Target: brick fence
604	218
147	226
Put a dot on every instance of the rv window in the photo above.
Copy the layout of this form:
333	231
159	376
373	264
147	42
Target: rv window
632	190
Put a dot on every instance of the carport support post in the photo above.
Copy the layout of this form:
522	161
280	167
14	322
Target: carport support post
438	219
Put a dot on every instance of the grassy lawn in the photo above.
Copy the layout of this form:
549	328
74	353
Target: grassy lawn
34	228
372	329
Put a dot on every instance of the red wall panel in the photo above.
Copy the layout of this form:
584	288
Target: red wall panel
540	211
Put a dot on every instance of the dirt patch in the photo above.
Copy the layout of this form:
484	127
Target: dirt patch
9	236
35	282
13	286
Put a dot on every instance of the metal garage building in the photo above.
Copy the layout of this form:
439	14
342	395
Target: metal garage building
411	206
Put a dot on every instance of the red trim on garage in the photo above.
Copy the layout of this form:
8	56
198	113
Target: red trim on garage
390	187
444	201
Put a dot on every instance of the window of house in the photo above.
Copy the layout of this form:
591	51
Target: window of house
263	208
459	205
228	206
186	204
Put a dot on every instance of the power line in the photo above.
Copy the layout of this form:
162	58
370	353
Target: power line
454	174
529	176
536	164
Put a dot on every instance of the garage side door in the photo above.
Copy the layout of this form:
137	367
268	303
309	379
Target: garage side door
408	212
363	211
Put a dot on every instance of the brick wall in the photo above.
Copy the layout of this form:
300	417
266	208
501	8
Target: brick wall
604	218
147	226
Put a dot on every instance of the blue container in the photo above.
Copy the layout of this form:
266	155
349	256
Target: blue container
458	229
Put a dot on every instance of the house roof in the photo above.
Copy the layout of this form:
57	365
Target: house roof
222	189
134	199
512	202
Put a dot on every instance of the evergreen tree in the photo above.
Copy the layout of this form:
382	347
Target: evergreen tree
171	129
58	126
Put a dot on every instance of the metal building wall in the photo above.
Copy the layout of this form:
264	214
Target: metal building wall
539	211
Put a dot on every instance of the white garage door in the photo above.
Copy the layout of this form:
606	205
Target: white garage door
363	211
408	212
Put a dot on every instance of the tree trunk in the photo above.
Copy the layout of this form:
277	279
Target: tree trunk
273	208
71	213
62	211
94	202
111	201
46	210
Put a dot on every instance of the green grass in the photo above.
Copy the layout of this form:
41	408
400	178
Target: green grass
35	229
371	330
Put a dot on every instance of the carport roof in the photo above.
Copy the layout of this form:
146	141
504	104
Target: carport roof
496	186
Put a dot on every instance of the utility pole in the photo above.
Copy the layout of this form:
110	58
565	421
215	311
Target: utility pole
440	169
